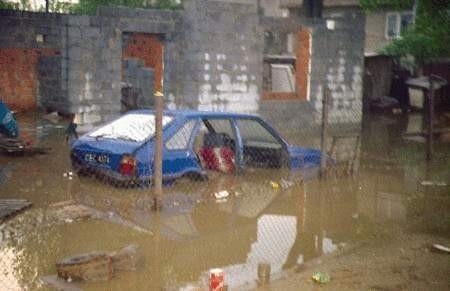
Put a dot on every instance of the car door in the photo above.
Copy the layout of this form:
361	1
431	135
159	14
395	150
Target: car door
260	146
215	143
178	157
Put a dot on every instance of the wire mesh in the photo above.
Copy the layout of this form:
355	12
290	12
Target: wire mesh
240	191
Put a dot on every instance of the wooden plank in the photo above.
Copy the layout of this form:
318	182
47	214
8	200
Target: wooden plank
11	207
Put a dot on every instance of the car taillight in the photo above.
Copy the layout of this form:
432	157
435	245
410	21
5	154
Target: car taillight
127	165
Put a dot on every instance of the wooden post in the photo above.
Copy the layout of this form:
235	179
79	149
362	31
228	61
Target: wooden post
430	120
324	133
157	161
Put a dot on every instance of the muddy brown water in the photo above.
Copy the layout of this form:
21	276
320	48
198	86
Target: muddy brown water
258	223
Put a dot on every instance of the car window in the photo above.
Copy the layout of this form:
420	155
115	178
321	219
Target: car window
221	126
180	139
214	132
256	135
135	127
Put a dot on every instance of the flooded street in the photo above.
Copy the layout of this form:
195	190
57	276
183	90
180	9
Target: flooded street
268	216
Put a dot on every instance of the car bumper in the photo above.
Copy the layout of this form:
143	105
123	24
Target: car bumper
103	173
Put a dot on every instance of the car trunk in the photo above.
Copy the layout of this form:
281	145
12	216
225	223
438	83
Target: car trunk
103	152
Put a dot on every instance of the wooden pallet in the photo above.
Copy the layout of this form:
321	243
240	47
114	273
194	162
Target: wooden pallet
16	146
11	207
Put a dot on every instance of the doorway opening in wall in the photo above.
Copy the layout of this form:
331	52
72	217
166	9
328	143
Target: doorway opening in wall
142	69
286	65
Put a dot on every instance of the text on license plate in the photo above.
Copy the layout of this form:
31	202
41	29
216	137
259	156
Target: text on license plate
96	158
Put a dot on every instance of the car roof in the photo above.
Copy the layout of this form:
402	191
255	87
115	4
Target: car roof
196	113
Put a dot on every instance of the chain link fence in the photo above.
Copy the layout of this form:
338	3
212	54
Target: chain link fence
237	195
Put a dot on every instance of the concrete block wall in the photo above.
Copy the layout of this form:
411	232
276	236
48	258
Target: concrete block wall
26	38
338	63
222	57
93	51
213	60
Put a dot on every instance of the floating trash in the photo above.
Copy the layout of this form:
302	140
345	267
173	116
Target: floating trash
285	184
441	248
216	280
274	185
68	175
221	196
433	183
5	173
321	277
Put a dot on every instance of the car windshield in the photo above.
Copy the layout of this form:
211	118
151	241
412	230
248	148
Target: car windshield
133	127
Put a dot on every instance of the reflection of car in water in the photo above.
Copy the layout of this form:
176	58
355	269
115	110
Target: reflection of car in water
194	142
283	227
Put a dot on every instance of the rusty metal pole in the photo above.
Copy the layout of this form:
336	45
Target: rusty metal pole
157	161
324	132
430	120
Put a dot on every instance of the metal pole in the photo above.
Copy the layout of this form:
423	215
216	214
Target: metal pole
324	134
157	162
430	120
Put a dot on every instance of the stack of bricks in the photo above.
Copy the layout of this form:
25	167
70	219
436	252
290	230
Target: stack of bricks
18	76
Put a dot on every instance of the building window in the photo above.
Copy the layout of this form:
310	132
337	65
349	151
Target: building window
40	38
286	65
397	22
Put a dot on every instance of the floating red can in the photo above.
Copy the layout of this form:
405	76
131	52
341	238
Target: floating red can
216	280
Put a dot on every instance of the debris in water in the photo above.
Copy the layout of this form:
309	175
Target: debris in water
71	211
92	267
5	173
216	280
263	274
98	266
285	184
433	183
321	277
126	259
59	284
274	185
441	248
16	146
10	207
222	196
68	175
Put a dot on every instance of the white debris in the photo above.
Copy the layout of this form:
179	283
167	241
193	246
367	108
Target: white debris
433	183
221	194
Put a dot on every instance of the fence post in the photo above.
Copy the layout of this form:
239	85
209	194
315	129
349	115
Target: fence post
324	132
157	161
430	120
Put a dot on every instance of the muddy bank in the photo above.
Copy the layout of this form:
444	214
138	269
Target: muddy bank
397	261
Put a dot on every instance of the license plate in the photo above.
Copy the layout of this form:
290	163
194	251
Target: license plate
97	158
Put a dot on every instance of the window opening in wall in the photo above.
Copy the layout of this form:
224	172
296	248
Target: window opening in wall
282	78
286	65
40	38
397	22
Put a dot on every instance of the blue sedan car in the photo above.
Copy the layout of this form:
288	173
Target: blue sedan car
195	143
